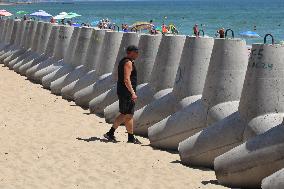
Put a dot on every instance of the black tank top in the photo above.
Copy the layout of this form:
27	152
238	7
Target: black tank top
121	87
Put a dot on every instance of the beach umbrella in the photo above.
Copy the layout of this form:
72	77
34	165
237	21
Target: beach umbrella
76	25
141	25
249	34
71	15
22	12
5	13
60	16
41	14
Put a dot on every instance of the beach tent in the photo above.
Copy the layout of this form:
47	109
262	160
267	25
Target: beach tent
22	12
41	14
5	13
249	34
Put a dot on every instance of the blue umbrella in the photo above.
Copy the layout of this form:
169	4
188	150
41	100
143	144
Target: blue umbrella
76	25
249	34
41	14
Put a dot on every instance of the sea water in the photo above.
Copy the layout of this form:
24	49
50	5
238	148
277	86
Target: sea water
239	15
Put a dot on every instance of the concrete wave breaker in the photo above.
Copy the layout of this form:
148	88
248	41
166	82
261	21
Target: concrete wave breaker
34	47
148	49
248	164
275	181
92	59
261	108
38	55
62	54
100	86
77	66
220	96
162	76
15	40
107	57
48	52
190	79
19	42
16	57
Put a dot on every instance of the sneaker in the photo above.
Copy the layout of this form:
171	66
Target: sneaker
110	137
134	141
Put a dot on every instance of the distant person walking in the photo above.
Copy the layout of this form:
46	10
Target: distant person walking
196	30
126	91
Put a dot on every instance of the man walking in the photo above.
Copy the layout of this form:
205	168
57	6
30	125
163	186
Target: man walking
126	91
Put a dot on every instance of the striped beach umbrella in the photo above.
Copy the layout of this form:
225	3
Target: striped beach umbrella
5	13
22	12
41	14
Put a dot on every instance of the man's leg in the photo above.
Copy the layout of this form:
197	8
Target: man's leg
118	120
129	127
129	123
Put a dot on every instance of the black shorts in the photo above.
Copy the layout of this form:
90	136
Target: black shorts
126	105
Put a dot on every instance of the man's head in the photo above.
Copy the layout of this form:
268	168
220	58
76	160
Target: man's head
132	52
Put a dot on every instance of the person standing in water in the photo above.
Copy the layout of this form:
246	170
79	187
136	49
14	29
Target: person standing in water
221	32
126	92
196	30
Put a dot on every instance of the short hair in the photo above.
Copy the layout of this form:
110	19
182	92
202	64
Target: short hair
131	48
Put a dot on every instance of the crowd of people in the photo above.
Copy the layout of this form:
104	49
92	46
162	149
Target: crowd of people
219	33
150	27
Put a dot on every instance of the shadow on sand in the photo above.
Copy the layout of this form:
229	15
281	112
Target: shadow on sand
96	139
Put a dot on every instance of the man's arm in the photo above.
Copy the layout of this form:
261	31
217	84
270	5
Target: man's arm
127	81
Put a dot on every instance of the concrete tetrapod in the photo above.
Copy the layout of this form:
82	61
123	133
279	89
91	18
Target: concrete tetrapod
4	44
49	52
2	28
248	164
220	96
78	68
162	76
39	55
14	39
27	44
148	49
13	59
107	82
9	30
5	30
62	55
94	51
20	39
261	108
188	87
34	47
3	25
275	181
106	63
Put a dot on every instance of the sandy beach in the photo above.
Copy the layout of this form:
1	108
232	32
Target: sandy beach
47	142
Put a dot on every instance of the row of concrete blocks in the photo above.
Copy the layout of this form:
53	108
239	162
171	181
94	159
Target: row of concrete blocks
200	96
